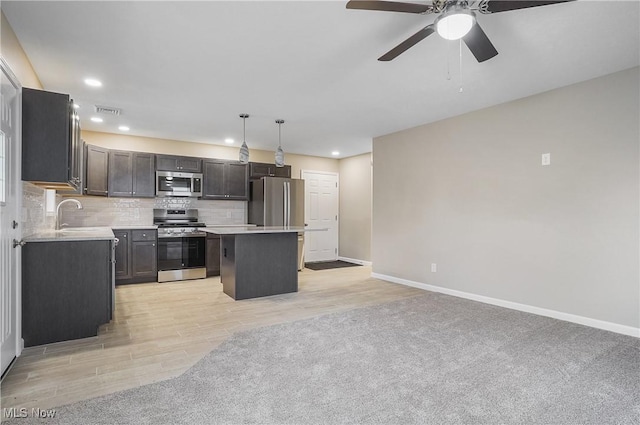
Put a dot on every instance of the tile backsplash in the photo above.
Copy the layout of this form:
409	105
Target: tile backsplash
34	219
99	211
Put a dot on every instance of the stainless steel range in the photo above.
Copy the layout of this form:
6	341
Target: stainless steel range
181	245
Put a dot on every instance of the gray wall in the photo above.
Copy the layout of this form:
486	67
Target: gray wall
355	207
469	193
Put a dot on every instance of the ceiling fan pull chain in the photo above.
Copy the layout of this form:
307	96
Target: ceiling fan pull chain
460	44
448	61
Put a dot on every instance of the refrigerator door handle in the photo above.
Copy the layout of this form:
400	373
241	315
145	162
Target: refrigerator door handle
288	211
285	199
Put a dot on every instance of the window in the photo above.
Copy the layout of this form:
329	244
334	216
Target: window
3	169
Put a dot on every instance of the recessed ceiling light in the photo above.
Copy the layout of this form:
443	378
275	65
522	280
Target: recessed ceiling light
123	128
92	82
335	153
96	119
229	141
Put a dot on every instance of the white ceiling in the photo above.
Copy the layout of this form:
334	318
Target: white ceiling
186	70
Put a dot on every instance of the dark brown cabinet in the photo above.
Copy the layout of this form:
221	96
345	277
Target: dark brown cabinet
262	169
66	290
120	173
52	152
97	173
144	255
213	255
144	175
178	163
131	174
225	180
123	254
136	256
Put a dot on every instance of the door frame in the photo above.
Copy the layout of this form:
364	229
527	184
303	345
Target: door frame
15	162
337	175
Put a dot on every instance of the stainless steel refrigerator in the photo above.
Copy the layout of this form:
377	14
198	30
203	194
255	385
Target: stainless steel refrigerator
277	201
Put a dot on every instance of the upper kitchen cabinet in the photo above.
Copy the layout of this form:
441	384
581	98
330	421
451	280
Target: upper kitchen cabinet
144	175
260	169
225	180
52	152
178	163
96	180
131	174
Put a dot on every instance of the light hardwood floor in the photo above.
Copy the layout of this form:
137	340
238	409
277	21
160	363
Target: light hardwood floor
160	330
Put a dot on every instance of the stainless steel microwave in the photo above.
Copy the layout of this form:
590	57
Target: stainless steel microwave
172	183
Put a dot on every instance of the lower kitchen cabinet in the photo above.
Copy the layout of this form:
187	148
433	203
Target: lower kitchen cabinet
67	290
136	256
213	255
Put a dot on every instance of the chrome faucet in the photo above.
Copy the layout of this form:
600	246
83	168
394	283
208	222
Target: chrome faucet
78	204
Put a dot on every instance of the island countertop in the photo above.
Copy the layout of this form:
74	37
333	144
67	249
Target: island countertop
252	229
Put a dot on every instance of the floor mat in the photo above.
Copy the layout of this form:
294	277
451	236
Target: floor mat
324	265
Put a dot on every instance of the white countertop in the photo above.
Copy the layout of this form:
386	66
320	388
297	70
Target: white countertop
135	227
252	229
72	234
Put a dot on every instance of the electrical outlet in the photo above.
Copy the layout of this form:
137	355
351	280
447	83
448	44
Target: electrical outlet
546	159
434	267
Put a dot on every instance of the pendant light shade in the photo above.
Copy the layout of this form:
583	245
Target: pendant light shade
244	149
279	151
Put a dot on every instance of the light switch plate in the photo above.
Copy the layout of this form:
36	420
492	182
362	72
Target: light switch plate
546	159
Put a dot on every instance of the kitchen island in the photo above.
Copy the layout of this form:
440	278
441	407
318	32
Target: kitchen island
258	261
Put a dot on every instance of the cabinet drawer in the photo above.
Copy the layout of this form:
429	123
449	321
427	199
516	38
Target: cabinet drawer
143	235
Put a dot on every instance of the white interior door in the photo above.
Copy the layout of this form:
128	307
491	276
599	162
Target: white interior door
9	208
321	211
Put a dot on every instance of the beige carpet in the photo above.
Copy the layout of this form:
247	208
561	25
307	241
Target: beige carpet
431	359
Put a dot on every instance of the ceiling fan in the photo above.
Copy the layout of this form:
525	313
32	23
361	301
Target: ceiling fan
456	20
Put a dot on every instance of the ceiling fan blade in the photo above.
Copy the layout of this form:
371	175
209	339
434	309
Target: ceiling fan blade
390	6
407	44
479	44
495	6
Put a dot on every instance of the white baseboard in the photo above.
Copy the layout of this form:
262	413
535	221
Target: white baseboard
355	261
594	323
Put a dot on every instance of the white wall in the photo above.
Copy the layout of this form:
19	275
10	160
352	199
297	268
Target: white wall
469	193
355	207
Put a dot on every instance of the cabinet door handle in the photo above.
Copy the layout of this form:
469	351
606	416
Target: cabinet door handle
124	236
153	244
225	253
144	235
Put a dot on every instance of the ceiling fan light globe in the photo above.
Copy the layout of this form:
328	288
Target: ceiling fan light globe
455	25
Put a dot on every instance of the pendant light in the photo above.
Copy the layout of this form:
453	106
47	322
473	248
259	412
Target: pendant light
244	149
279	151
